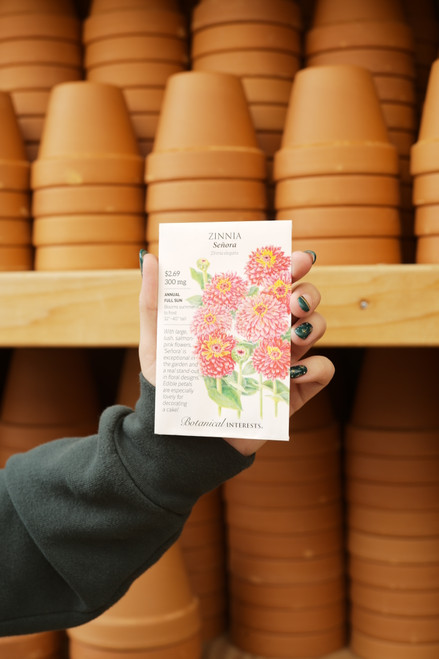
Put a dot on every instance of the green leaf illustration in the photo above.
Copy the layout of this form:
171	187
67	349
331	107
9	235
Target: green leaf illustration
282	391
248	369
227	398
253	290
198	276
195	300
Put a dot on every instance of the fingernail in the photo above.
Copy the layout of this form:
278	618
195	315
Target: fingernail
303	304
313	255
303	330
141	256
297	371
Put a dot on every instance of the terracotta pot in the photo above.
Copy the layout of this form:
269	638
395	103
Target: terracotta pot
284	546
79	229
36	76
370	647
88	257
14	204
76	170
284	520
394	89
417	496
424	189
145	124
378	61
401	629
88	199
395	601
396	443
250	62
402	550
353	251
304	442
45	645
245	36
286	495
286	571
396	575
427	249
135	48
337	11
31	128
427	220
228	163
407	409
37	393
155	218
419	523
30	102
208	532
299	596
391	469
15	231
38	24
299	470
14	168
287	620
266	89
206	194
268	116
39	51
207	557
403	140
215	12
134	21
138	622
144	99
287	646
400	116
269	141
337	190
359	34
16	258
343	221
131	74
195	95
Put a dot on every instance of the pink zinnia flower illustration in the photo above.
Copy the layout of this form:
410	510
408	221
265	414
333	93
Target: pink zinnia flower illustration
210	319
226	289
265	263
272	358
261	317
280	287
215	354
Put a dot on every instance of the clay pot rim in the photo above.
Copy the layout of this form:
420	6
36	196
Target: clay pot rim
60	26
335	158
424	157
112	24
79	170
393	35
207	15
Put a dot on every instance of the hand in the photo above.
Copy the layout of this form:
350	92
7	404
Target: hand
308	326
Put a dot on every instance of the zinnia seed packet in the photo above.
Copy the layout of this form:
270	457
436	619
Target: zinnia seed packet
224	329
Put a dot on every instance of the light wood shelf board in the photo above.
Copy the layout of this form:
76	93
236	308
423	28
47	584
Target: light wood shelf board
220	648
383	305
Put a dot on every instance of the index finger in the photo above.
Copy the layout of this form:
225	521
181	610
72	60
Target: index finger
301	263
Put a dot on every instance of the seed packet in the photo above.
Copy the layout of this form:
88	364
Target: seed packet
224	329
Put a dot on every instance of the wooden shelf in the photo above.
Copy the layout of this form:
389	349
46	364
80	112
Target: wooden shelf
382	305
221	648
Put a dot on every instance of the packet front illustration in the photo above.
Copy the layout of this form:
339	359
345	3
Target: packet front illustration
224	329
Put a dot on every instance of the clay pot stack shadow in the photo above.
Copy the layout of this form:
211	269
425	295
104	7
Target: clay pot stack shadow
204	553
261	43
136	46
425	170
285	543
157	618
15	201
40	46
336	172
376	36
40	404
205	164
392	491
88	191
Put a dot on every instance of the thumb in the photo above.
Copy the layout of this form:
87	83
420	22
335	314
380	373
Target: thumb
148	316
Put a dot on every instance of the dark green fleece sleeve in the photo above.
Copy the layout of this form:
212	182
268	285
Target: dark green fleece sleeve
81	518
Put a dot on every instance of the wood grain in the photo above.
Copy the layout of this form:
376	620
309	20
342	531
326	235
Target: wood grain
383	305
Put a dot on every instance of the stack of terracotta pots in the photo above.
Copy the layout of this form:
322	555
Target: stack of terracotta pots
261	43
423	17
40	403
40	46
392	469
205	164
136	46
158	618
285	543
425	170
15	221
88	190
45	645
375	35
204	554
337	172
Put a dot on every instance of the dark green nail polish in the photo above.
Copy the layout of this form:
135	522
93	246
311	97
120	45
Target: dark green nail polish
303	304
313	254
303	330
297	371
141	256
